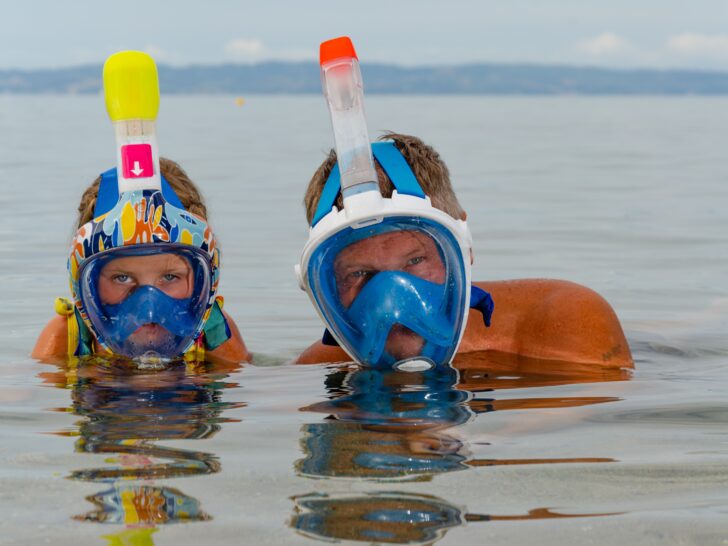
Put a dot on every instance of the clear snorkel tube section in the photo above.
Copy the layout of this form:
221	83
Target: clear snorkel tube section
342	86
131	91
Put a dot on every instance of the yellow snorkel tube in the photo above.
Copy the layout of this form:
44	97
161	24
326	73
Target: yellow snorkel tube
131	91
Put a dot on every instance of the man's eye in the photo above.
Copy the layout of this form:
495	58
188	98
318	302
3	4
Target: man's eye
121	278
416	260
360	274
170	277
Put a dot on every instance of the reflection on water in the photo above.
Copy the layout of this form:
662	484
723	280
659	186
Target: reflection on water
382	517
125	410
129	504
393	517
387	426
394	425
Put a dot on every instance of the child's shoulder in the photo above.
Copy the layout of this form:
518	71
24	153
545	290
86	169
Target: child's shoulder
551	319
53	340
234	349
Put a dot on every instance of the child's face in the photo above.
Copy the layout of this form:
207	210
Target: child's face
408	251
169	273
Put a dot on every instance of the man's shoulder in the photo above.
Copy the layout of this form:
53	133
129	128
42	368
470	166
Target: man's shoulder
551	319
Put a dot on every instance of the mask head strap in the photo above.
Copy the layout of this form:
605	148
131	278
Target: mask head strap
391	161
108	194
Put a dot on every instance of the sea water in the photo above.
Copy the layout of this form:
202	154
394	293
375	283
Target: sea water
626	195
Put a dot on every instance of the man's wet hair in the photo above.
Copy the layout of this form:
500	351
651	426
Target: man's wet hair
426	164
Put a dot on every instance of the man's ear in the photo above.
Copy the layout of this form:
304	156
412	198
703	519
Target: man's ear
464	216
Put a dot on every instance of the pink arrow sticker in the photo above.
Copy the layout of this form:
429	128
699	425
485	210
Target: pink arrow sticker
136	161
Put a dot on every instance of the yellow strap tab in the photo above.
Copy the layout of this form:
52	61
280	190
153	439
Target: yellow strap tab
65	308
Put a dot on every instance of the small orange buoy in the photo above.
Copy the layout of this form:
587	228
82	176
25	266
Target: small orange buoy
239	101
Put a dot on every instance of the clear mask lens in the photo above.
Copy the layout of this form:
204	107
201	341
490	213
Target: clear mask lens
147	300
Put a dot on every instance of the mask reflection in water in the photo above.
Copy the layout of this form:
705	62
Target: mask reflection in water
393	425
387	425
378	517
126	409
393	517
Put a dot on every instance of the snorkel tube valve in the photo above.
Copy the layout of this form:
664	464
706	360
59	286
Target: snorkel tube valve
342	85
131	90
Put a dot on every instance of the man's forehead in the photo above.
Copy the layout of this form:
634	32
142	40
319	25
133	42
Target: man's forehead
385	244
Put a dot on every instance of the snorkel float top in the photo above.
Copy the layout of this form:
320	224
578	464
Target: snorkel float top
392	299
343	89
131	90
138	214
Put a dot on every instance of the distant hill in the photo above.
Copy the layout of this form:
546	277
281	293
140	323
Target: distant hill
471	79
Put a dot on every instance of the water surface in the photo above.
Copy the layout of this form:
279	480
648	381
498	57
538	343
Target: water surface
625	195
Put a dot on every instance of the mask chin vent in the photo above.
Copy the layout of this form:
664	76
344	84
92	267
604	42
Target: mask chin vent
414	364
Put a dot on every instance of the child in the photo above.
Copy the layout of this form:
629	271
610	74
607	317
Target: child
397	291
144	271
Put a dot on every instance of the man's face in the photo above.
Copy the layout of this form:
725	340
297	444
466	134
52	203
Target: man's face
411	252
169	273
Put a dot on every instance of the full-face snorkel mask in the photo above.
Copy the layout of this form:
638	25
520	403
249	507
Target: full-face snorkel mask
390	277
144	272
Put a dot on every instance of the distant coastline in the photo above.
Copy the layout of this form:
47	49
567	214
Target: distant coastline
471	79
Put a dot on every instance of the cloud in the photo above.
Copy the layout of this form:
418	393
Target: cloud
603	44
707	45
241	49
156	52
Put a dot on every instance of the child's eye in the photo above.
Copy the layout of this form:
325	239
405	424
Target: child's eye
121	278
170	277
416	260
360	274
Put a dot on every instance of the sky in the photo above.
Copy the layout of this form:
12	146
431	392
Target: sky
606	33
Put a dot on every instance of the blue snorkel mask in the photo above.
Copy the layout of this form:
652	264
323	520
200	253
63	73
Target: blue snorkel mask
392	284
390	277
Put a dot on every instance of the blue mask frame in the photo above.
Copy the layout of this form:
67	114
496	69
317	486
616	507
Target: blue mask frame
431	310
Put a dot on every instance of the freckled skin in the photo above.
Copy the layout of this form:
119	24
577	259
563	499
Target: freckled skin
539	318
171	274
415	253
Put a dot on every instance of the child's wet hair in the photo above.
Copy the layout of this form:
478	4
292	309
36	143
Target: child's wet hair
185	189
426	164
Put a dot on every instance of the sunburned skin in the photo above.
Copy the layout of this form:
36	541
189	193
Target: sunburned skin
408	251
169	273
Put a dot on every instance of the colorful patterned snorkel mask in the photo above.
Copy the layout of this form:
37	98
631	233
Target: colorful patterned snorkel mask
144	272
128	316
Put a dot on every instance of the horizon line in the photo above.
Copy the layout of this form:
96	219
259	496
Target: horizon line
529	64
